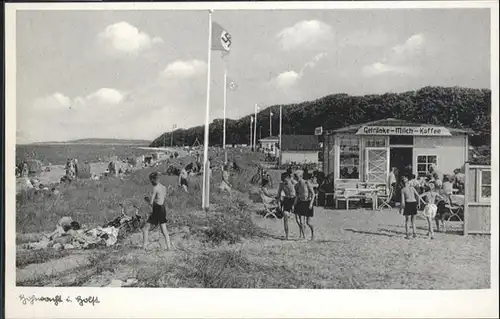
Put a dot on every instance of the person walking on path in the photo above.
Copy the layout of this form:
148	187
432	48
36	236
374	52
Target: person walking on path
159	214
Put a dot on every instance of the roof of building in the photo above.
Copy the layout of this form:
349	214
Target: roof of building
269	139
391	122
299	143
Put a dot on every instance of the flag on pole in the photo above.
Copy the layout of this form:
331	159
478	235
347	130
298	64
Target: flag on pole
231	85
251	119
221	39
272	113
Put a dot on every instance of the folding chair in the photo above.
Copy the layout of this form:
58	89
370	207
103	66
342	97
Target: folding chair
271	205
384	196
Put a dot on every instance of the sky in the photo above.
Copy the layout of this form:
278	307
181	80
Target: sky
136	74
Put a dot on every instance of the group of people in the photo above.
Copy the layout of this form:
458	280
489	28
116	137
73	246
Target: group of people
22	169
296	195
433	192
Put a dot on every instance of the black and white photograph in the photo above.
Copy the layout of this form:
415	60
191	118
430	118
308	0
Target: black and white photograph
253	148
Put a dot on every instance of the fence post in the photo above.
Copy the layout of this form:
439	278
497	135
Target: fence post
466	199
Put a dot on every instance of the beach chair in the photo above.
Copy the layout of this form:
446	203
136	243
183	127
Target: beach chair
271	205
385	196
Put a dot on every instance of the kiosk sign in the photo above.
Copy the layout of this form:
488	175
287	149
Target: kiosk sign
404	130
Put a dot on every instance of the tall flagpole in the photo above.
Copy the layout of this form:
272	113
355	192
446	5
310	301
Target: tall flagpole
280	132
206	167
270	123
225	103
251	130
255	129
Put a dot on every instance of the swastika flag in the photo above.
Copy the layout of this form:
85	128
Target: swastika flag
221	39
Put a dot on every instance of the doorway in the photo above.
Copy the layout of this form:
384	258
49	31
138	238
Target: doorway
402	159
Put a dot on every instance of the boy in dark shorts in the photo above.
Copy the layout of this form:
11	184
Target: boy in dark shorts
409	196
287	189
304	201
159	214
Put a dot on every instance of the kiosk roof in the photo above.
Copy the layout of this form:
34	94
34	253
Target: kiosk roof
392	122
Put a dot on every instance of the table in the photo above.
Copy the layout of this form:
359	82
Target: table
360	191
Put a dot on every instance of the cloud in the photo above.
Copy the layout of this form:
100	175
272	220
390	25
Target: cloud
124	38
380	68
401	59
413	45
286	79
185	68
304	35
58	101
107	96
313	62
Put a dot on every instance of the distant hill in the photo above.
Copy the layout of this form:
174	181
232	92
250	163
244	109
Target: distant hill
101	141
448	106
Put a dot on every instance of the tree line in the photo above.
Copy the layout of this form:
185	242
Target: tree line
455	107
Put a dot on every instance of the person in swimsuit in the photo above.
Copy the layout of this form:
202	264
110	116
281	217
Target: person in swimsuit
266	180
159	214
183	179
431	198
409	196
303	205
286	196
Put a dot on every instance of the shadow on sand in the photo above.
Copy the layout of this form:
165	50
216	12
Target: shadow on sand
368	232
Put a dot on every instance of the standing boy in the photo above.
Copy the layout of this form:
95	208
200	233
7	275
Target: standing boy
409	196
287	188
303	203
159	214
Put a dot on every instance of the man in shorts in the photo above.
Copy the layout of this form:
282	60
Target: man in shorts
287	189
183	179
304	200
159	214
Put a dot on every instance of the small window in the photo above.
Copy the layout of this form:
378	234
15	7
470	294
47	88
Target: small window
400	140
349	157
485	185
375	141
424	162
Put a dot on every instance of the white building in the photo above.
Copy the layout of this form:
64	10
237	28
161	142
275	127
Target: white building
268	144
366	152
300	149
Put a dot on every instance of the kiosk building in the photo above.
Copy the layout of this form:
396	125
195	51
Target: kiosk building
367	152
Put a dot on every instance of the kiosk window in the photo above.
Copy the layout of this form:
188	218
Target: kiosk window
375	141
423	164
485	185
349	157
400	140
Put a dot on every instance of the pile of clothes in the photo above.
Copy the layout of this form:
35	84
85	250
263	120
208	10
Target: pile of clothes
70	234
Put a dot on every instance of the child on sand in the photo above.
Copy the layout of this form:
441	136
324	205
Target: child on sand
409	197
159	214
431	198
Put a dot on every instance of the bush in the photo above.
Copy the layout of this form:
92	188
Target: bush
230	226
